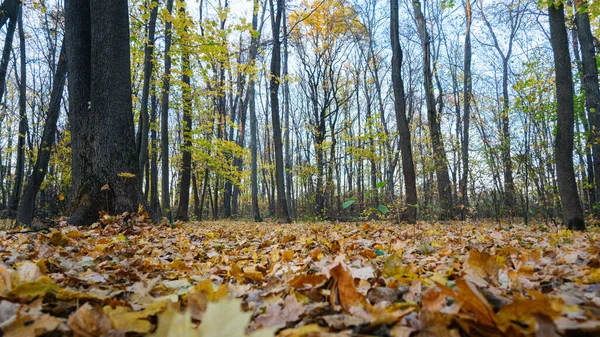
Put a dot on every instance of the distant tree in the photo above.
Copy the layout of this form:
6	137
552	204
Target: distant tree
38	173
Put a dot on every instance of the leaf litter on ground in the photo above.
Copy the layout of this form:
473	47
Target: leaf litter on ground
125	277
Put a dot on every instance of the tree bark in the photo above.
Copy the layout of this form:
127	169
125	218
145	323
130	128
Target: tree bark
282	209
467	96
253	122
105	163
27	205
439	153
8	10
10	33
408	166
20	169
144	123
164	118
154	202
590	86
569	198
186	150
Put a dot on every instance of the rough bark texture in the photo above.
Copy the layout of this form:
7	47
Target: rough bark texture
164	119
282	209
27	205
105	163
569	199
439	153
408	167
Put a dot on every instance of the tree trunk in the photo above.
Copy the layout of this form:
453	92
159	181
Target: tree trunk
439	153
590	85
572	211
8	10
253	122
105	164
282	209
10	33
286	114
408	166
154	202
186	150
164	118
144	125
467	96
20	169
27	205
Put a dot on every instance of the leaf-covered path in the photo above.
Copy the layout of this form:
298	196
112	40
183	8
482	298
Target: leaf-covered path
376	278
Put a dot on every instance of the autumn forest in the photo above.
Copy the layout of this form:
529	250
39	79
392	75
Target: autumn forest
299	168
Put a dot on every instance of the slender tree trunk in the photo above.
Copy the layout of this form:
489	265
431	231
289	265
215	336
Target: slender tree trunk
439	153
27	205
20	169
154	202
467	89
8	40
186	160
253	121
144	124
590	86
164	118
408	166
572	211
509	186
282	209
286	114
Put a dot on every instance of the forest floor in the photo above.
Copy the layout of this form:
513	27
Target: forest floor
125	277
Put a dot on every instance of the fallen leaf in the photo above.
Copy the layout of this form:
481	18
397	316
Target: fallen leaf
89	321
346	290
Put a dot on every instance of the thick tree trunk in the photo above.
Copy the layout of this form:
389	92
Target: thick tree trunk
27	205
282	209
467	89
408	167
439	153
144	124
20	169
105	163
186	150
572	211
